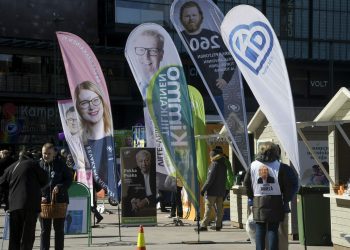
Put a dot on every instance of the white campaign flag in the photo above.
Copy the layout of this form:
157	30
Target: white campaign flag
254	45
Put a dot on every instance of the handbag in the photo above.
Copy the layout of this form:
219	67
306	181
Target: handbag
250	228
53	210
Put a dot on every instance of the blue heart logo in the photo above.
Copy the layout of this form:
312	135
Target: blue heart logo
252	44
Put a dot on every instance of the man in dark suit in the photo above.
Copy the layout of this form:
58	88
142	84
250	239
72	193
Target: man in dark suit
23	180
141	188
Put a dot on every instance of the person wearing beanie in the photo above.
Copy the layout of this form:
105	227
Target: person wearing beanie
214	189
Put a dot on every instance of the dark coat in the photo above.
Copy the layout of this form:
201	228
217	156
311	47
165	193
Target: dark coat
59	175
136	189
24	183
5	163
271	208
215	185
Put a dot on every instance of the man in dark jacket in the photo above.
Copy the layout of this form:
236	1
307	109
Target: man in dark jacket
215	189
23	180
269	186
60	178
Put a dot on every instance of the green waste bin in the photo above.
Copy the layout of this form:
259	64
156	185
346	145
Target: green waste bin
314	223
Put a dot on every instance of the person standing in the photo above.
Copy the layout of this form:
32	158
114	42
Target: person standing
60	178
23	181
97	215
176	201
215	190
269	189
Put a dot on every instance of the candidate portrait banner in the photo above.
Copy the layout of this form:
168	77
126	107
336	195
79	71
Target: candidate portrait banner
157	68
91	101
71	129
144	62
198	113
138	180
198	24
255	47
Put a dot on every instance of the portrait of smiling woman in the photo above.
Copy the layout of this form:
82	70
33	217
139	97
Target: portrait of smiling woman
94	114
95	118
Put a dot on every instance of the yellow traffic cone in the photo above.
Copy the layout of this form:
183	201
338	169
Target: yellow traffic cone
141	240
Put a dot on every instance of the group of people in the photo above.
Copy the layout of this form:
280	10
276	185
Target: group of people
26	184
270	184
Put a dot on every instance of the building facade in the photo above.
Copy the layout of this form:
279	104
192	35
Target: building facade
314	35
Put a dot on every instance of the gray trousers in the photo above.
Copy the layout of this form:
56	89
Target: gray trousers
210	201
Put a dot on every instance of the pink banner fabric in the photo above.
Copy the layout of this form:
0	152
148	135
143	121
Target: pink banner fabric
91	101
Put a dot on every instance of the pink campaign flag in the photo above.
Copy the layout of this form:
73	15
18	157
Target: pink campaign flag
91	101
71	129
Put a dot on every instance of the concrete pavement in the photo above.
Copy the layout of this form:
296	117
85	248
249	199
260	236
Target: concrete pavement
165	236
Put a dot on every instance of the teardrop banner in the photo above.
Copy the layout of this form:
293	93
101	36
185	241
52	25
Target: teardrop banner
91	101
158	71
255	47
197	22
144	63
198	113
71	129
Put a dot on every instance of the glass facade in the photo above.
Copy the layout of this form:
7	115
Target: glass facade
321	26
137	12
30	74
314	36
331	29
314	32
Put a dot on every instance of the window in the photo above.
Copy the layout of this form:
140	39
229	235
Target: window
137	12
5	63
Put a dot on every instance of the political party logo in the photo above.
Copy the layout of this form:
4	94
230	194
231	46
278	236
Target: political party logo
11	128
252	44
234	107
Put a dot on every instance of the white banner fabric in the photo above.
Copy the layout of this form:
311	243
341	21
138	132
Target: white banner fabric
255	47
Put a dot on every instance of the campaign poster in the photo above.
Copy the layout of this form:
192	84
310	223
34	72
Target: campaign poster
310	172
138	166
76	216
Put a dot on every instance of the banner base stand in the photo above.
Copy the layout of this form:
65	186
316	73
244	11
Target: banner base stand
198	242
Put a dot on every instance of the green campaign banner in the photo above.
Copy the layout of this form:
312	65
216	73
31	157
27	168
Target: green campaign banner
198	114
170	108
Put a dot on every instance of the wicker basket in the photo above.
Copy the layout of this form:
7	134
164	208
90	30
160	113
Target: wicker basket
53	210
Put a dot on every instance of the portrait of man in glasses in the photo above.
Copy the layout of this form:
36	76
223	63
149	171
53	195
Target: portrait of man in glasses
72	136
72	121
149	50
